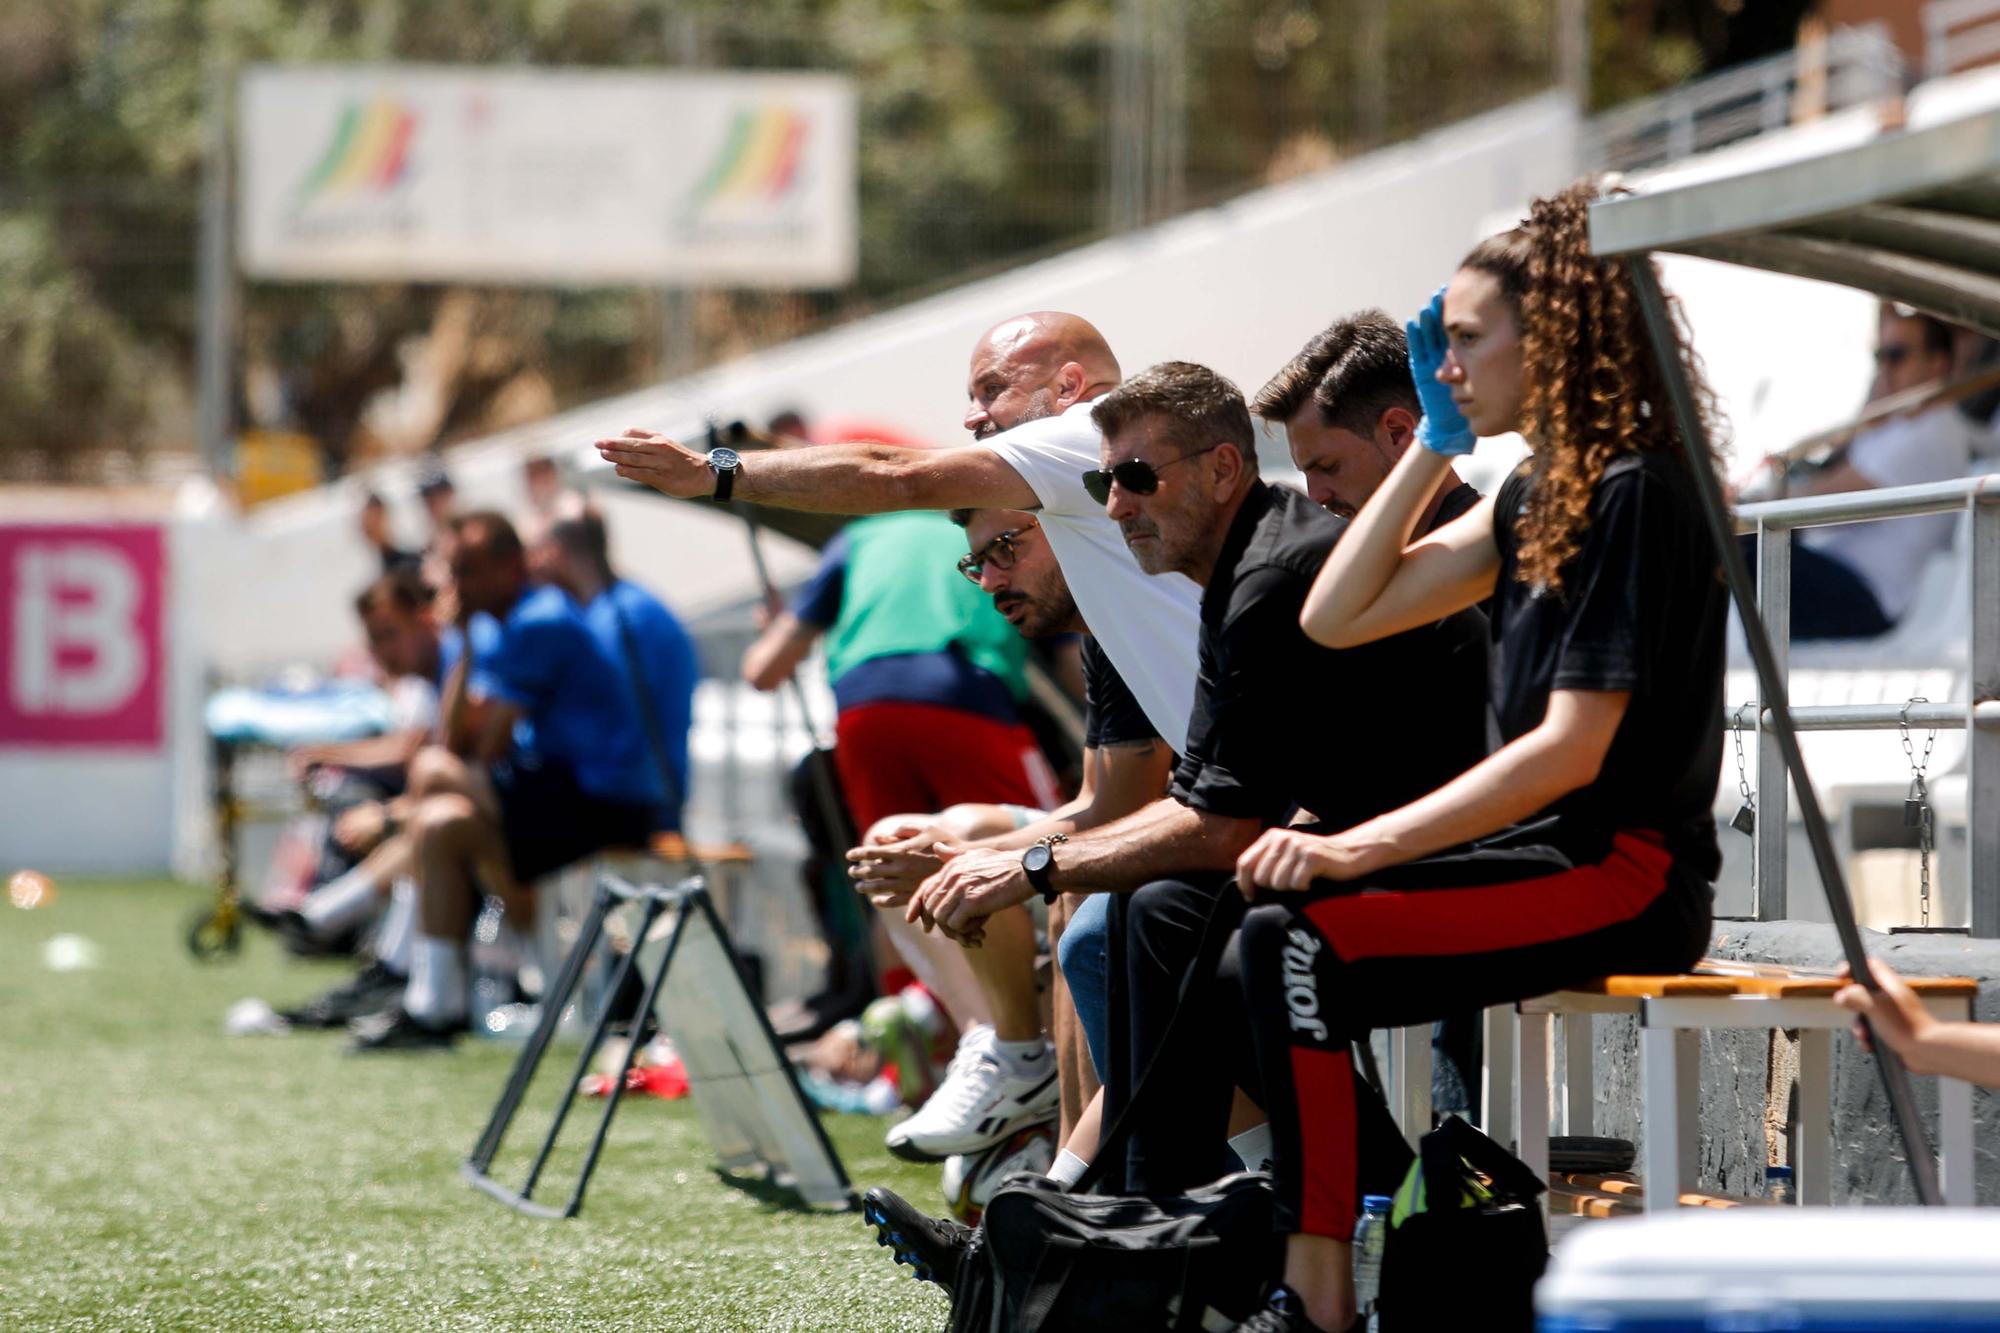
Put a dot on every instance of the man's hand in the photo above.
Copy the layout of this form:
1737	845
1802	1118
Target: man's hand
1290	860
302	759
361	827
658	461
889	874
1896	1013
972	886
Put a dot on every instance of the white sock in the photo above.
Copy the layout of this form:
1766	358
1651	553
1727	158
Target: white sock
1253	1147
1022	1058
341	905
436	993
399	928
1069	1169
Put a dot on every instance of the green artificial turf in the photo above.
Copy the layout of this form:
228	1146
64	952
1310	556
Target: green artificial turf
157	1174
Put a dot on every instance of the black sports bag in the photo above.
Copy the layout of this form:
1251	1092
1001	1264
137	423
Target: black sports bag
1046	1261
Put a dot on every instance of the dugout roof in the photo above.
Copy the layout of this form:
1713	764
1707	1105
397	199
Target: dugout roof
1912	215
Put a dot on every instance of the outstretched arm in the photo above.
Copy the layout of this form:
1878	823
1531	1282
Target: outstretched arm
830	478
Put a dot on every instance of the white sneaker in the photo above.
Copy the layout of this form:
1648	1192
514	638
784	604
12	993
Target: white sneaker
979	1103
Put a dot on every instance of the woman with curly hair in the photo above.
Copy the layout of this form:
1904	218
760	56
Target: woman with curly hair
1584	845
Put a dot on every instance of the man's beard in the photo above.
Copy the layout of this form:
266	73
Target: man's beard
1041	403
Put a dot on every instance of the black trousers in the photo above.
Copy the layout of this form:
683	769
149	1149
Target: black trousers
1523	913
1180	1130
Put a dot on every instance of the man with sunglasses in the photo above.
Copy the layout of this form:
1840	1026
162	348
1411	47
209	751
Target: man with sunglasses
1031	382
1856	580
1282	729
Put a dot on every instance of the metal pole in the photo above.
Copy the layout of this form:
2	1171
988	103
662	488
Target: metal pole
1982	745
1573	49
1771	901
215	332
1771	688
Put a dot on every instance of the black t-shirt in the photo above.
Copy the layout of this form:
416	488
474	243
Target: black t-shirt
1642	608
1456	502
1280	722
1110	714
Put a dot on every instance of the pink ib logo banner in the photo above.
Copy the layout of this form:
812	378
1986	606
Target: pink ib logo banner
82	645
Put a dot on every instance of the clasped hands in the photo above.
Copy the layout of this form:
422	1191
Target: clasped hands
940	883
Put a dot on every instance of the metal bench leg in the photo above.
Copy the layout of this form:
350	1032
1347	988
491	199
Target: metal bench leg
1410	1055
1496	1082
1531	1096
1955	1142
1671	1069
1813	1165
1579	1052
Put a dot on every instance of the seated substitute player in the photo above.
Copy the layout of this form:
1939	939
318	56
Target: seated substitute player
1125	765
514	812
1585	844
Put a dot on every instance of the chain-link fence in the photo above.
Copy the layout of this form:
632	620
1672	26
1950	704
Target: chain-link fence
987	137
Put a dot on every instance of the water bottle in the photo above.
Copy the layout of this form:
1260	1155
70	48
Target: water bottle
1371	1235
1778	1185
495	962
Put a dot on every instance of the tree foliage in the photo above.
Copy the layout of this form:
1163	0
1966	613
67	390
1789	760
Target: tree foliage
984	139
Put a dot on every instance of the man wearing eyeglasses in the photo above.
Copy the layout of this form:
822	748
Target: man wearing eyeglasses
1126	765
1281	728
1030	384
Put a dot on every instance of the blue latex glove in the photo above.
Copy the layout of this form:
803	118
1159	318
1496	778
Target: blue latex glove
1443	429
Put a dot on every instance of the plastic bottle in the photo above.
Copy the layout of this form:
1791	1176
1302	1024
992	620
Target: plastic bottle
495	963
1778	1185
1371	1235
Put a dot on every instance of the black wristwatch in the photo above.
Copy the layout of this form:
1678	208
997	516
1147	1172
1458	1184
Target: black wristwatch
725	463
1038	861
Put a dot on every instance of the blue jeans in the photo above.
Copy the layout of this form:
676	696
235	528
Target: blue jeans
1086	969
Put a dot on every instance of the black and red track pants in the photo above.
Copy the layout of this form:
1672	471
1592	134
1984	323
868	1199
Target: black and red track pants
1524	913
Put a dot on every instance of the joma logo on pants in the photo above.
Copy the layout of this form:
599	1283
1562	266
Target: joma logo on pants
1301	983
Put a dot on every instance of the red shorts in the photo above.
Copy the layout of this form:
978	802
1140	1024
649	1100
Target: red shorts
917	758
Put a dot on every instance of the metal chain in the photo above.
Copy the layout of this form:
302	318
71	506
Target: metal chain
1736	729
1917	806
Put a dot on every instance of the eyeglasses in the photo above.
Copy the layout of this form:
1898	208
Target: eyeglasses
1134	474
999	553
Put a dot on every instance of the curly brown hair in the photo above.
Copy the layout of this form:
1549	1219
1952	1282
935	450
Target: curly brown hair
1592	388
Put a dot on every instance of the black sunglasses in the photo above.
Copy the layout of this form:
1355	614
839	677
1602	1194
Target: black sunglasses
999	553
1134	474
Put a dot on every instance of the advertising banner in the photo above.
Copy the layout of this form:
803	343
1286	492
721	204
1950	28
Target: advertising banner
82	645
458	173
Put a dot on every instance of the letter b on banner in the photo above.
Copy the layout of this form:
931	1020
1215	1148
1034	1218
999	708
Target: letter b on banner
80	635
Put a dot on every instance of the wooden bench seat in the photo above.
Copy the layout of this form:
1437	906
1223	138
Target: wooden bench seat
1520	1078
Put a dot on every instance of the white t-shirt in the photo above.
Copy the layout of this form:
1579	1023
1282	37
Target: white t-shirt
1889	554
1148	625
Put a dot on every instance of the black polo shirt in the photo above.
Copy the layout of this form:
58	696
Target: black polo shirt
1111	716
1642	608
1282	723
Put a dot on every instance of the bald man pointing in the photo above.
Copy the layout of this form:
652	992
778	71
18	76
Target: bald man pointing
1031	382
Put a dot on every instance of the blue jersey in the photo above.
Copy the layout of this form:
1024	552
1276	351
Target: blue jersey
546	662
667	671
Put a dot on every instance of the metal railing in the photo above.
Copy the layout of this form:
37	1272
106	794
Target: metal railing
1959	34
1856	65
1773	523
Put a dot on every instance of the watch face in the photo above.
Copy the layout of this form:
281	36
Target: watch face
724	459
1037	859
